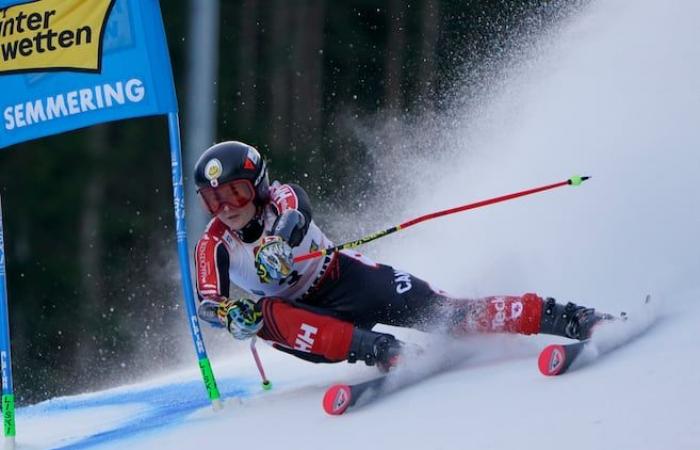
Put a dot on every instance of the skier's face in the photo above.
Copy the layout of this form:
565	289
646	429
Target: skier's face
236	218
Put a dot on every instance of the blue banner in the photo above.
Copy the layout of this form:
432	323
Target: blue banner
68	64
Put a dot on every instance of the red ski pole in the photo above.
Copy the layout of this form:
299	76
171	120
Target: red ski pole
573	181
265	381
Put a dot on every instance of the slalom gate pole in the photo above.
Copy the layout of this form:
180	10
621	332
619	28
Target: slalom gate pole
573	181
183	254
8	396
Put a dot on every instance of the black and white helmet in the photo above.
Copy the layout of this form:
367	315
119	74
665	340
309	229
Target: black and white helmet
230	161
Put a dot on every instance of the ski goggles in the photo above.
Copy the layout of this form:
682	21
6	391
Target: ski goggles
234	194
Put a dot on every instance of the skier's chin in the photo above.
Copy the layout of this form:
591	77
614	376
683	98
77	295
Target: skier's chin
233	221
236	219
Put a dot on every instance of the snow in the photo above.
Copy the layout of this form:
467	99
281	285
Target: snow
614	94
643	397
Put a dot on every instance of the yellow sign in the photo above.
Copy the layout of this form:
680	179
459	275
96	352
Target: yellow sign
53	35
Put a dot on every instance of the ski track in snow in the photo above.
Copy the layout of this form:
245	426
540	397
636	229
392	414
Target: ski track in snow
614	94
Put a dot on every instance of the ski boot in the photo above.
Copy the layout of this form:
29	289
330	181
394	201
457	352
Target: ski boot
380	349
570	320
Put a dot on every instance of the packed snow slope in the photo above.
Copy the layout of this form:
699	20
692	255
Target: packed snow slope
614	94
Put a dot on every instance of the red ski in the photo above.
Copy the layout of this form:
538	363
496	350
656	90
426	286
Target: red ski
608	336
340	397
420	366
556	359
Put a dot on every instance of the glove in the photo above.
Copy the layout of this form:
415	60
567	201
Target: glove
208	311
273	259
290	226
240	317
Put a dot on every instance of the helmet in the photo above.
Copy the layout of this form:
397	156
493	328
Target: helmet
231	173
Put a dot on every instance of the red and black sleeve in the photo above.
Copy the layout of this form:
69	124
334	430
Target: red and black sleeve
211	259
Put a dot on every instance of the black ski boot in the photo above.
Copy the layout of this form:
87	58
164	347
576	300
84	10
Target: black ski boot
380	349
571	321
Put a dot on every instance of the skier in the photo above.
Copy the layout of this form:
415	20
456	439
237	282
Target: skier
324	309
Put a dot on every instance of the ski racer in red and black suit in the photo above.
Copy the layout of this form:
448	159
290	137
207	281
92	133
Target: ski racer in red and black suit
324	309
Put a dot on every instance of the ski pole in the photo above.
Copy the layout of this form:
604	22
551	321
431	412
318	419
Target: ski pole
266	385
573	181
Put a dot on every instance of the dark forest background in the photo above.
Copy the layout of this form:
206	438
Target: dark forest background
93	279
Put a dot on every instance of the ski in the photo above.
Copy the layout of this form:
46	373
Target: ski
553	360
558	359
418	367
339	397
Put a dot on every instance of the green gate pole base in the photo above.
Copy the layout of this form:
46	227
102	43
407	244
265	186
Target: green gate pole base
8	419
210	384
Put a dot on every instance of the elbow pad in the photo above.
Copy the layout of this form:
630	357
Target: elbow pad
290	226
